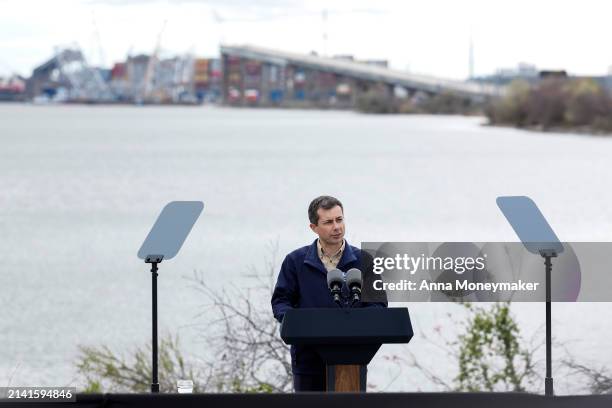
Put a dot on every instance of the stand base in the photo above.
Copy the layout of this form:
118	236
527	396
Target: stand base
155	387
346	378
548	386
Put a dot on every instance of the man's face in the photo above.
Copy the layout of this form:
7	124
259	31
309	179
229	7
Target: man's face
330	227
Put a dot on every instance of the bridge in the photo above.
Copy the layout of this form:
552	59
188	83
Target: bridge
69	72
264	76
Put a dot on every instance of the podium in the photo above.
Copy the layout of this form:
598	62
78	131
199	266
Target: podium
346	339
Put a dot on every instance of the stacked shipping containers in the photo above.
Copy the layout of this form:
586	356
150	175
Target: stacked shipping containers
252	81
207	79
201	78
232	70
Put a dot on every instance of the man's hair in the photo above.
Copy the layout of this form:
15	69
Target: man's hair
324	202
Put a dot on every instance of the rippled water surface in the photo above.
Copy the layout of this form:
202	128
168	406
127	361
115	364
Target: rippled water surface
80	187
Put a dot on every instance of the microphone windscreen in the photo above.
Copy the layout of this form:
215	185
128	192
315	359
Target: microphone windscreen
353	277
334	276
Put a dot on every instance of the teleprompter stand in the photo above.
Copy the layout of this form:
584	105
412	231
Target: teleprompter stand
538	238
163	242
548	381
154	260
346	339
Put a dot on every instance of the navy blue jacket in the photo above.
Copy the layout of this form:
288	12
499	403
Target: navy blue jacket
302	283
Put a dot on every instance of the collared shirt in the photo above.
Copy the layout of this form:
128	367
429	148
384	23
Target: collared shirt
330	261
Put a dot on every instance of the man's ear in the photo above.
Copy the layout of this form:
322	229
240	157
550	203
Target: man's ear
312	227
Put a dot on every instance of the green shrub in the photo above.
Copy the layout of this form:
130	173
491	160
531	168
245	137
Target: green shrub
375	102
553	103
491	357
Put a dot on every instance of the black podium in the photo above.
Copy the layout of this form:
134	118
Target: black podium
346	339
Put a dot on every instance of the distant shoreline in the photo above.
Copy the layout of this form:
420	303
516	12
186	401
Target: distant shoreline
581	130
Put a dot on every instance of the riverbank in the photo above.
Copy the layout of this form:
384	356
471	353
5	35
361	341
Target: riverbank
582	130
559	105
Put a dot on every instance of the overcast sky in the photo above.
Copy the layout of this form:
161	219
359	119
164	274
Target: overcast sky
430	37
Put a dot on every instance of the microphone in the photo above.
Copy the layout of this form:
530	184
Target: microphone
334	282
353	281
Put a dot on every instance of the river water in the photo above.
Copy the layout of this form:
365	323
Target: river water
80	187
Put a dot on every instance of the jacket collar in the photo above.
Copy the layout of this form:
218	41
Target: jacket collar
312	257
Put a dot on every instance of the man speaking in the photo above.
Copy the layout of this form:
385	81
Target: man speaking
302	282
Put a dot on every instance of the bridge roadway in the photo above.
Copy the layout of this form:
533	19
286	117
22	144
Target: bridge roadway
364	71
